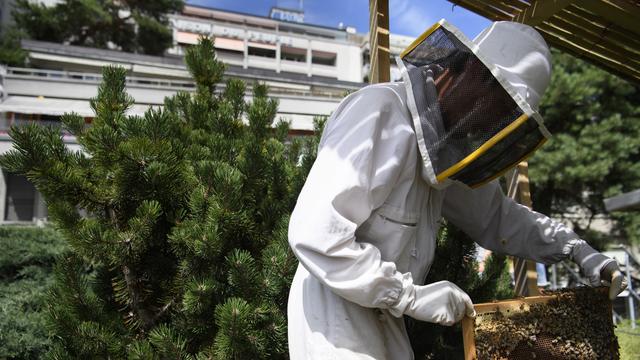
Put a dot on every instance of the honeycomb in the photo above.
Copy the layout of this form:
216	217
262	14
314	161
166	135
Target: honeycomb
573	324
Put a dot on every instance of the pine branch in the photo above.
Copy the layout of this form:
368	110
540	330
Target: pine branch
204	69
136	299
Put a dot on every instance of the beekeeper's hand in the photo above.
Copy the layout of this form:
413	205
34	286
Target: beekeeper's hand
599	269
614	278
442	302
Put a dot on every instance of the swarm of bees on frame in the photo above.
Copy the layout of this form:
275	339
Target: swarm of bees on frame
576	324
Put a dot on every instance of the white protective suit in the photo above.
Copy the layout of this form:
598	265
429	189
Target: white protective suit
364	231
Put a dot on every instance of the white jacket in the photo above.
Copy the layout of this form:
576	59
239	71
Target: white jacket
364	231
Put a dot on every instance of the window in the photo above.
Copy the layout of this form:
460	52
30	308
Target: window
263	52
41	119
323	58
293	54
229	44
187	38
229	54
20	200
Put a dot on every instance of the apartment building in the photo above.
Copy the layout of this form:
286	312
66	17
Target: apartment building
309	68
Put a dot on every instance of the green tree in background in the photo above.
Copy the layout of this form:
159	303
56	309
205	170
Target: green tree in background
184	253
594	153
11	53
130	25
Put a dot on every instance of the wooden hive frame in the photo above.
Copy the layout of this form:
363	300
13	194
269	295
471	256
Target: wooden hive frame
506	307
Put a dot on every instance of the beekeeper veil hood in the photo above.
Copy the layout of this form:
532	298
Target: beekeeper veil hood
474	103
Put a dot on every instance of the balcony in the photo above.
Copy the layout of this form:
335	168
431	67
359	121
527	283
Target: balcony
42	96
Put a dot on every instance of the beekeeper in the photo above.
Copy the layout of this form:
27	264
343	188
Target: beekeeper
393	160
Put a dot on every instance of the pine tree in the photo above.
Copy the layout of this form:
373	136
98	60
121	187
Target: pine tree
183	252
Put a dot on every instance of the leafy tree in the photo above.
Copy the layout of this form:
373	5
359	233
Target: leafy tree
184	253
594	153
131	25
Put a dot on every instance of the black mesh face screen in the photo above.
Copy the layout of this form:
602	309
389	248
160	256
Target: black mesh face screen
461	107
504	154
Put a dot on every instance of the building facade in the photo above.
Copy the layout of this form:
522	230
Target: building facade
308	68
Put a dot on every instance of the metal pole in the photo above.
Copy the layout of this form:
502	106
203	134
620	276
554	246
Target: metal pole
632	310
554	277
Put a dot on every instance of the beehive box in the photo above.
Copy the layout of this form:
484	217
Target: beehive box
564	324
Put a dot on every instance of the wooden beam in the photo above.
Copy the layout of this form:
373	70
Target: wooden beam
599	27
588	57
380	70
604	28
524	271
469	338
482	9
509	11
616	12
615	21
520	4
540	11
576	44
592	41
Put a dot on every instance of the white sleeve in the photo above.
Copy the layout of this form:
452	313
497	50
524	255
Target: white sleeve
498	223
361	154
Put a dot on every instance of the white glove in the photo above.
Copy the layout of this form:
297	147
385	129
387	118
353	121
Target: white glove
442	302
599	269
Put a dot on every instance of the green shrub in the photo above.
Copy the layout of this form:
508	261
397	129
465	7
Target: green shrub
26	262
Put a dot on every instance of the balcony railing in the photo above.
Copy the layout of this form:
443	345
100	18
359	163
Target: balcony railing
97	78
161	84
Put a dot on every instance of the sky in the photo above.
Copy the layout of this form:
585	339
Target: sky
407	17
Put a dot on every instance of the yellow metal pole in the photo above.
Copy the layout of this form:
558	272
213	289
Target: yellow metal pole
379	41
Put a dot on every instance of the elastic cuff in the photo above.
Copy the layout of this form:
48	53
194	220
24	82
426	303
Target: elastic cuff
609	270
590	261
405	298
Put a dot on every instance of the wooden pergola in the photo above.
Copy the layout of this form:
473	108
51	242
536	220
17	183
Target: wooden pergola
603	32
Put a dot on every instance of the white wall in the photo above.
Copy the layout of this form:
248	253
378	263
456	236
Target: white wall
349	64
348	53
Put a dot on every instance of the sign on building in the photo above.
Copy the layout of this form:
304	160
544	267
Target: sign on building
287	15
